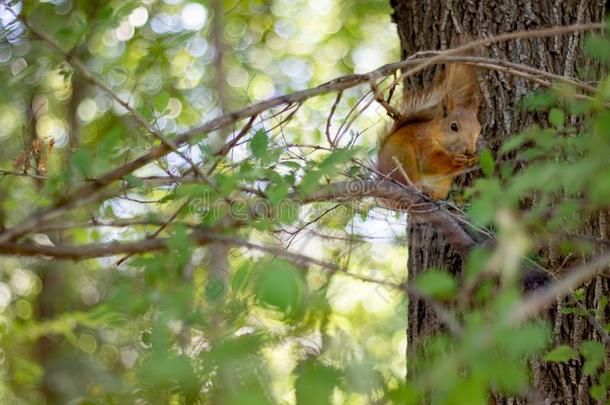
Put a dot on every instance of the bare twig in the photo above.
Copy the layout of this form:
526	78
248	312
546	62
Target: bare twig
22	174
405	197
403	173
90	251
392	112
539	300
155	233
224	150
330	117
347	120
544	32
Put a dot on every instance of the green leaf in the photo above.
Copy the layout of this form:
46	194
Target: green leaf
259	143
594	353
126	8
170	372
328	166
241	276
557	118
406	394
597	46
511	377
561	354
315	383
599	191
476	262
160	101
436	283
291	164
483	208
526	340
288	212
66	36
539	100
514	142
604	378
334	159
280	286
134	181
468	391
486	160
110	142
598	392
310	182
80	161
226	183
277	191
362	377
181	245
105	13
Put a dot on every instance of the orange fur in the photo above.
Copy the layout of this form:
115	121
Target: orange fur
435	137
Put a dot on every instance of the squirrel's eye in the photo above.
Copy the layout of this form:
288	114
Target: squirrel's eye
454	127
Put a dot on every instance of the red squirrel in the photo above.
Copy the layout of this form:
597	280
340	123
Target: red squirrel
435	137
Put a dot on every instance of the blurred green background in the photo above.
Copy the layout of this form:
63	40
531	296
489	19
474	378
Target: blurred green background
94	332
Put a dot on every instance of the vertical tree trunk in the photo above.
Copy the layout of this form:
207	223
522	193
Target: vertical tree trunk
434	24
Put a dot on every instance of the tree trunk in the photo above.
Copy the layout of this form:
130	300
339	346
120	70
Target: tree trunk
435	24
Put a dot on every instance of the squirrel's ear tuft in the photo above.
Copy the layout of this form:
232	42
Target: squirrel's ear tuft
462	86
460	80
475	100
449	104
472	101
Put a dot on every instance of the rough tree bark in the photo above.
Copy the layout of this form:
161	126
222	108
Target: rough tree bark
434	24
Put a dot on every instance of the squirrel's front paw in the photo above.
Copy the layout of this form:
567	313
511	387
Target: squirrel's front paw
464	160
426	190
472	160
459	160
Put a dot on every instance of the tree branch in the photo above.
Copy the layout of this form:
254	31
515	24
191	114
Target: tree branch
407	198
339	84
80	67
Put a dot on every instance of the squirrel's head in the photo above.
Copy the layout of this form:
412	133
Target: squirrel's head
459	124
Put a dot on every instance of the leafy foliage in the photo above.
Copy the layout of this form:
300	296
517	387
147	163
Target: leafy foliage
244	319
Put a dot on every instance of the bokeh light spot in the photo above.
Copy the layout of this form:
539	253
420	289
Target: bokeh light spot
262	87
86	110
138	17
193	16
5	296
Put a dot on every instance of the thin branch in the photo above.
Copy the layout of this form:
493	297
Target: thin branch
402	172
22	174
405	197
391	110
339	84
97	250
224	150
544	32
541	299
157	232
330	117
512	68
95	223
357	113
79	66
